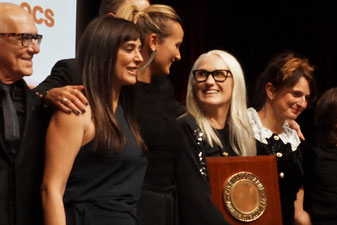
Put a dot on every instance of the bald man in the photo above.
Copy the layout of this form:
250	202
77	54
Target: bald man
22	122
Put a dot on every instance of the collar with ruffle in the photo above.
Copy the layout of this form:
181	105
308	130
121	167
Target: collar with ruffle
262	133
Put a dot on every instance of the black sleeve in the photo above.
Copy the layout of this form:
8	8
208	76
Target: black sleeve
65	72
194	194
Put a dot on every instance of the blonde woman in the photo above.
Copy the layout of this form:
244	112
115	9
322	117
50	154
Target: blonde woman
216	124
157	109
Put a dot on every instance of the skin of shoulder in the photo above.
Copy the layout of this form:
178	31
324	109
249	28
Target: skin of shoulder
65	136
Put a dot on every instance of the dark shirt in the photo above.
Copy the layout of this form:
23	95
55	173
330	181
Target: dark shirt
157	111
291	172
18	97
64	72
321	186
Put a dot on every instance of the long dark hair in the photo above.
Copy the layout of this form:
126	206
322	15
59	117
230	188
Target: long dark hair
283	71
97	54
326	118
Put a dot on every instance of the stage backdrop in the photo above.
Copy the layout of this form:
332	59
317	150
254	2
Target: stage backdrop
56	21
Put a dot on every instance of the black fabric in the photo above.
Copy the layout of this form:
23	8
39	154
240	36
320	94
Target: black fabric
195	204
103	187
157	111
321	187
157	205
64	72
291	164
21	174
18	97
10	123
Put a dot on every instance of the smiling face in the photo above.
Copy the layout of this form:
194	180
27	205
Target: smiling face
16	60
211	93
128	62
168	50
289	103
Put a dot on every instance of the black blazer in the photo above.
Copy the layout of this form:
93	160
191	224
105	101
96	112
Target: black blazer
194	191
64	72
21	176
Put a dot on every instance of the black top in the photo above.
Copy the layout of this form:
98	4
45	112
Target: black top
64	72
157	111
321	189
195	204
290	169
103	184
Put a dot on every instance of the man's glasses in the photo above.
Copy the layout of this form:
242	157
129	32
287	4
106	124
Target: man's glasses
26	39
218	75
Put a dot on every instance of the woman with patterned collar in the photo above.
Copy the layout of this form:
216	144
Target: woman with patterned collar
216	125
287	84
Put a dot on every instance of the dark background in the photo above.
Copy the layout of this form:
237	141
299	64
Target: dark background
253	31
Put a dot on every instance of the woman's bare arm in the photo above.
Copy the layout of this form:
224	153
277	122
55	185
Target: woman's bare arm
65	136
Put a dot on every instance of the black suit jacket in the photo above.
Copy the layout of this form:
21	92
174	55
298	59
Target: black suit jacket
64	72
21	175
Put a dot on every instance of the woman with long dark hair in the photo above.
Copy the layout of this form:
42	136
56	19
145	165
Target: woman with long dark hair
94	162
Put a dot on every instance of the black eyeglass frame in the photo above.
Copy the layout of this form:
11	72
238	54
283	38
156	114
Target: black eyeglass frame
227	74
26	38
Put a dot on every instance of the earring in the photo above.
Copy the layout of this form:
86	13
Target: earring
153	54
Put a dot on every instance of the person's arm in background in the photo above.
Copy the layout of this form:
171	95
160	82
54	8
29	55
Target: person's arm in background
62	89
301	216
294	125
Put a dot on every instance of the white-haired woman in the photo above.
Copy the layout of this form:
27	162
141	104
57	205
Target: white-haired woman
216	124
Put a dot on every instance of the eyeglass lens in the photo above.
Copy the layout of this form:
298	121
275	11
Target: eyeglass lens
26	39
218	75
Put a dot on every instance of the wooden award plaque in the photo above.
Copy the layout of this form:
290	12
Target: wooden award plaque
246	189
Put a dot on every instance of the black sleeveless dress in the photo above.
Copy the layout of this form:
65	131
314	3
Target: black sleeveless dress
103	188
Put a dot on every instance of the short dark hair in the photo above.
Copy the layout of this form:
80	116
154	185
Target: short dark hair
97	53
283	71
326	118
109	6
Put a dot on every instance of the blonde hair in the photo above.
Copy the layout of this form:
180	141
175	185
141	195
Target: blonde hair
240	132
156	18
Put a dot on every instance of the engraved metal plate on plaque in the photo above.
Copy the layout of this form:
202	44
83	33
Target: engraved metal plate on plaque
245	196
